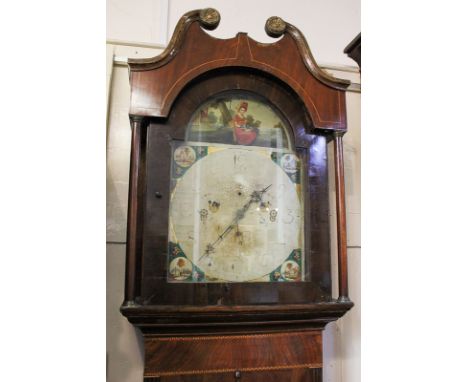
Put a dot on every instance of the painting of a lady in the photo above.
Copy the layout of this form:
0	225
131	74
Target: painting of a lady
243	133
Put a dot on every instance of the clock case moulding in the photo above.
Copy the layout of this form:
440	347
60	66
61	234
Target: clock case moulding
165	91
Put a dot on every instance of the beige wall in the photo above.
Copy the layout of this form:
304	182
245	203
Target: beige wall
342	338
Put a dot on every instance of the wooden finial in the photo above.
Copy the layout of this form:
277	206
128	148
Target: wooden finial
210	18
275	26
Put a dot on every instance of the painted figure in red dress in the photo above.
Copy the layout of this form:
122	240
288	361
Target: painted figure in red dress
243	134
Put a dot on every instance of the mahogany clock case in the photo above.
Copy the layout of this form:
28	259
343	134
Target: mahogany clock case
311	148
166	92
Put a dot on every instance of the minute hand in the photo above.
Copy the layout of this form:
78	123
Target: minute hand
255	197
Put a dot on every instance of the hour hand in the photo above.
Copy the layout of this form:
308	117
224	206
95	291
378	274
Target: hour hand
209	249
225	232
257	195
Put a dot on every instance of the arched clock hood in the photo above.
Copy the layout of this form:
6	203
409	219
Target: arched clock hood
192	52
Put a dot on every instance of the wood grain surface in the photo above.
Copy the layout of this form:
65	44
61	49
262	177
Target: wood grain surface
224	354
156	82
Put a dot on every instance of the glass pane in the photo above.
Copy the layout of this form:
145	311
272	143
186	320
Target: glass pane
236	212
238	118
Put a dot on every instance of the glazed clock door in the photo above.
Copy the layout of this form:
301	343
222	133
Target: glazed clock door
236	194
236	208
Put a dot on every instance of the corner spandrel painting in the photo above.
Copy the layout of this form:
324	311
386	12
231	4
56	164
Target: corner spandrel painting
238	119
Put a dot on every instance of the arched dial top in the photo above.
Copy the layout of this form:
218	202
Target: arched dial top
239	118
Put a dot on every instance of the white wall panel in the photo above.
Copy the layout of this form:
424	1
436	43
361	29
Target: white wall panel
124	358
143	21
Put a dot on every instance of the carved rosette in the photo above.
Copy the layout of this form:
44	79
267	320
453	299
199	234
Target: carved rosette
210	18
275	26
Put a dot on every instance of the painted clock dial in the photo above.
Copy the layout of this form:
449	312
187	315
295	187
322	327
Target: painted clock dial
236	211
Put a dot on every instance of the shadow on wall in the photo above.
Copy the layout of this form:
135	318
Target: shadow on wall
125	347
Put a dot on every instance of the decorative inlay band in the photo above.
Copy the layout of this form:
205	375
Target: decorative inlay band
217	371
234	337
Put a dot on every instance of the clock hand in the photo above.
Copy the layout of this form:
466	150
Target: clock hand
255	197
225	232
210	246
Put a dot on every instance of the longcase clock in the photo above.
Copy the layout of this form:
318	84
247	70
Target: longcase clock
228	272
